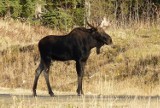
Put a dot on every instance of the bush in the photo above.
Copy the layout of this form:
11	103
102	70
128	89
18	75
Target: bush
78	16
58	19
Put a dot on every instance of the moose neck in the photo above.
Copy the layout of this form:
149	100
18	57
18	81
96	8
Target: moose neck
93	43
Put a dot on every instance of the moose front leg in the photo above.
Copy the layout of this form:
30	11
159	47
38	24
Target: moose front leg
80	71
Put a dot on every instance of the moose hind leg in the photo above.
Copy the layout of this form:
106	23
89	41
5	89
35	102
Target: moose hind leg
46	75
37	74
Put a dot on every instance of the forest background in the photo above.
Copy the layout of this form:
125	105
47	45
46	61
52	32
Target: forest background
65	14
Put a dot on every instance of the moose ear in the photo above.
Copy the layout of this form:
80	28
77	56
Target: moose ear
93	30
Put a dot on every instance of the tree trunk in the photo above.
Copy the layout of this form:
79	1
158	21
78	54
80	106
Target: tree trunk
38	11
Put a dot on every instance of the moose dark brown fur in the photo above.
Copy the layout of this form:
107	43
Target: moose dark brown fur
75	46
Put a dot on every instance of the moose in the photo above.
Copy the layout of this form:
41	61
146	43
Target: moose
76	46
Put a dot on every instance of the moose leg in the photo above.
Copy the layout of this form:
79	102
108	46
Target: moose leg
46	75
38	72
80	72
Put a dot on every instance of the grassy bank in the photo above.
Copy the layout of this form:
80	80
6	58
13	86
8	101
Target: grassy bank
131	67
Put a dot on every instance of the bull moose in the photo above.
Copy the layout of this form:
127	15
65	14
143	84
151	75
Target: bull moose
75	46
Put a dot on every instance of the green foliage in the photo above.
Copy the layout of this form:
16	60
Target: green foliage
78	16
15	8
64	14
2	8
10	7
57	19
28	9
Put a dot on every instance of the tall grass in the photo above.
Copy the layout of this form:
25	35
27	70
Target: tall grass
131	67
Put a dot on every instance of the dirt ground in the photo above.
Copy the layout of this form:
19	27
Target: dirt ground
19	98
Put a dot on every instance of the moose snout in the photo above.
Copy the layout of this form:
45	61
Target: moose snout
109	42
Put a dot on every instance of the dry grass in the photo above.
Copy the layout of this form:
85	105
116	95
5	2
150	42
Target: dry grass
130	68
39	103
21	99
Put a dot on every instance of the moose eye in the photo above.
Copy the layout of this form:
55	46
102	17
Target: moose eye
104	38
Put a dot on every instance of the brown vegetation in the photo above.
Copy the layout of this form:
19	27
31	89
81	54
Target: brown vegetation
131	67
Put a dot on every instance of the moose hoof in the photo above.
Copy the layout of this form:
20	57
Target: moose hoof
34	94
51	94
80	93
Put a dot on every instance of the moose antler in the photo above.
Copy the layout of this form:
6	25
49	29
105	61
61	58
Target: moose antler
89	24
105	23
